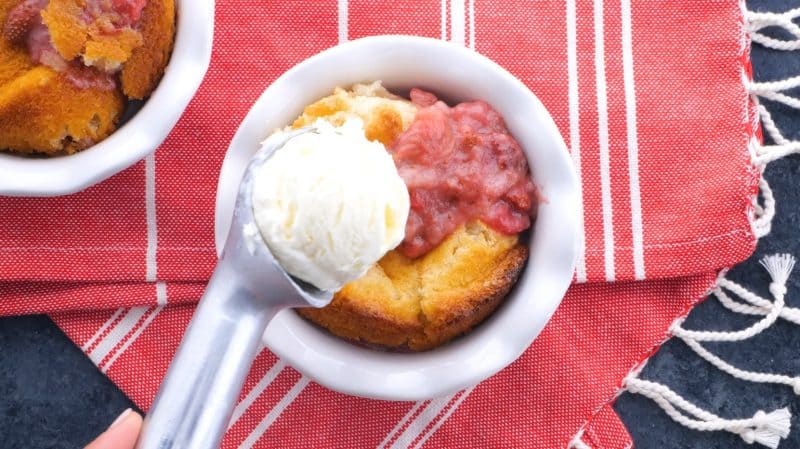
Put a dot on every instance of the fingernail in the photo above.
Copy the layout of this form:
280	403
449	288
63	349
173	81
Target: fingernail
120	418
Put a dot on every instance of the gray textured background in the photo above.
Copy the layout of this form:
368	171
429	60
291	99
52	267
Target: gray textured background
51	396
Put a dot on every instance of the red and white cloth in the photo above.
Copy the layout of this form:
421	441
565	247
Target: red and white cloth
650	96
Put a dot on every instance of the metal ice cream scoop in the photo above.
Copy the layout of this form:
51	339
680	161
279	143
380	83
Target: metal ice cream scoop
248	287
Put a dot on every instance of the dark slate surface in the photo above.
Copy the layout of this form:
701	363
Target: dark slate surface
51	396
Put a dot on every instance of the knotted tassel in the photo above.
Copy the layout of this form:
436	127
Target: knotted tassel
779	267
770	428
766	429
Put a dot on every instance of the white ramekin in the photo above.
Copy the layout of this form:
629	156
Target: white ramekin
455	74
138	137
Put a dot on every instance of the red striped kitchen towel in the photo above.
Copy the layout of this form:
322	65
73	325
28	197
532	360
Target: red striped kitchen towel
650	96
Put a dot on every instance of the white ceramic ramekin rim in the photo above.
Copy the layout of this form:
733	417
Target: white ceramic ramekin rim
454	73
141	135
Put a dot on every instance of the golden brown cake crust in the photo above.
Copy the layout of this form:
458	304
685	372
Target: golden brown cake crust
73	37
30	124
142	72
385	115
68	33
419	308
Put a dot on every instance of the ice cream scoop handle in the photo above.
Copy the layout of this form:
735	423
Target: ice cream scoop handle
194	404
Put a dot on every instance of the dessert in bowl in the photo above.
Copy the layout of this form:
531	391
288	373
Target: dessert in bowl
471	199
89	87
403	63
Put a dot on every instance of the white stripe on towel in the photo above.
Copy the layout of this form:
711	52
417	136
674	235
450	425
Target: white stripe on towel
602	135
633	141
574	128
256	391
273	414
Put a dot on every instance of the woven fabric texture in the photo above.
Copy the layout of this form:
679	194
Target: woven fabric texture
650	98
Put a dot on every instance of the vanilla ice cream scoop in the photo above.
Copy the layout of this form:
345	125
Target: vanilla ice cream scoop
329	204
321	204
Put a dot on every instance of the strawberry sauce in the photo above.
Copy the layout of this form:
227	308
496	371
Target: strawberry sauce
22	20
461	164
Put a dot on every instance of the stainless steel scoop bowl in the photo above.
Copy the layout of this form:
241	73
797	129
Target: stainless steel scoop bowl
248	287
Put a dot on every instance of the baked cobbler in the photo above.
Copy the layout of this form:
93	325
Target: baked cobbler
69	67
471	197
